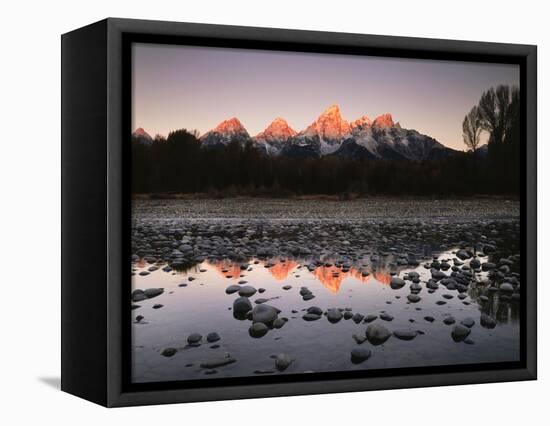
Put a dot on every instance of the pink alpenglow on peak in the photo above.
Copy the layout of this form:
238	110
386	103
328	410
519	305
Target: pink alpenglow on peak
384	120
226	132
361	122
278	129
141	136
329	125
231	126
140	132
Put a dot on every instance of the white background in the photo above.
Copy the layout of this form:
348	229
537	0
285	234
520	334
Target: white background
30	213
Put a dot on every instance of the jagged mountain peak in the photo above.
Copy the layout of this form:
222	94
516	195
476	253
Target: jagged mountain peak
384	120
226	132
361	122
329	125
277	129
330	134
332	109
230	126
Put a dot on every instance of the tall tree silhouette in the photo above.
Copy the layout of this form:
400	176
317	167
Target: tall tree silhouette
500	113
471	129
497	106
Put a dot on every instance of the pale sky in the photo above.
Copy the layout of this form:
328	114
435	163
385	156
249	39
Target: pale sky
191	87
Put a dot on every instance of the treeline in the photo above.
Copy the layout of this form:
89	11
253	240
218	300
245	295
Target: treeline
178	164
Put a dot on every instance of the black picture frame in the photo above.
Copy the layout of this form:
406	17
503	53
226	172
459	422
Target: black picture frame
96	91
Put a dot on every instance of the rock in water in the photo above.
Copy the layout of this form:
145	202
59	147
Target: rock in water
486	321
316	310
438	275
194	338
232	289
278	323
212	337
414	298
360	354
153	292
138	295
247	291
258	329
468	322
370	318
168	352
396	283
242	305
264	313
460	333
357	318
386	317
334	315
359	338
449	320
283	361
405	334
311	317
377	334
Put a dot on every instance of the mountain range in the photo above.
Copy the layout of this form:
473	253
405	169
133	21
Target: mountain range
329	135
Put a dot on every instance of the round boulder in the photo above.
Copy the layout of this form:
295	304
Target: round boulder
460	333
258	329
242	305
396	283
264	313
377	334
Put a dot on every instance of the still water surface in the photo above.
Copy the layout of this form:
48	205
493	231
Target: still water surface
195	301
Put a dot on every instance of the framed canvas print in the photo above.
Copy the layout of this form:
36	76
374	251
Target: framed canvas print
252	212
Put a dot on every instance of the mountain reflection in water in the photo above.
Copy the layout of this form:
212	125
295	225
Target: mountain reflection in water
331	277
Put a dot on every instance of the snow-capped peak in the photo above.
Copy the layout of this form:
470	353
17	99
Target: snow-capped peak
277	129
329	125
384	120
230	127
361	122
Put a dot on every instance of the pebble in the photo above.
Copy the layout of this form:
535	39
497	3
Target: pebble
232	289
212	337
194	338
168	352
405	334
360	354
283	361
247	291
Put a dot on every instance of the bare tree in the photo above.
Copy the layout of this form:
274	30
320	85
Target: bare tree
471	128
496	107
